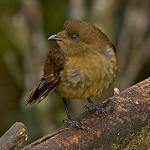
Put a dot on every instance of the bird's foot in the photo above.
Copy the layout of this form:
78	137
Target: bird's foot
97	109
74	124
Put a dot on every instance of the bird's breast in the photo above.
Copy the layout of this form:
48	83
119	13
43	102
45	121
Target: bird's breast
83	77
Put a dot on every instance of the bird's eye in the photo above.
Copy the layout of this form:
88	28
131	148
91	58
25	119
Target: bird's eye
74	36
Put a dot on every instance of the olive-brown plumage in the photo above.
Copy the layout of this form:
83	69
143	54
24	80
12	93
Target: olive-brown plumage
81	66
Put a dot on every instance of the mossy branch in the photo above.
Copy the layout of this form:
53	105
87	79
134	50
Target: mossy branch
127	113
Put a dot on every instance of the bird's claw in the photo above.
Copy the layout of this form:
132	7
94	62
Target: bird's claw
74	124
97	109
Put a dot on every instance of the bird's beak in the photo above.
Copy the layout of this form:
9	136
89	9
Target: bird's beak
55	37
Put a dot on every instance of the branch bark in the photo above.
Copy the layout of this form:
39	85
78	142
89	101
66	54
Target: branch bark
126	112
14	137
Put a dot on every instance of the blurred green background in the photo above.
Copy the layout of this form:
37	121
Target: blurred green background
24	28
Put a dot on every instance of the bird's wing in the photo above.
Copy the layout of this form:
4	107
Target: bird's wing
53	65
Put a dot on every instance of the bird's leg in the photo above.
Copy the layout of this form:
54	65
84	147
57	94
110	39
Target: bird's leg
70	121
97	109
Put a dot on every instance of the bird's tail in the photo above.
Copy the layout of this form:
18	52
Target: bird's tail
37	93
40	91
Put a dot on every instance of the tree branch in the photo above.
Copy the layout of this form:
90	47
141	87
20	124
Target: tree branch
126	112
14	137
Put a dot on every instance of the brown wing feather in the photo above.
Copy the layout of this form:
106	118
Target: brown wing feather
53	65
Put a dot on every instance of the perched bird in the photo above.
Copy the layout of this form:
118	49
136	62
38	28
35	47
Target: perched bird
81	65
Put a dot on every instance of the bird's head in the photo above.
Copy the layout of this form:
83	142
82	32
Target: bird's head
78	38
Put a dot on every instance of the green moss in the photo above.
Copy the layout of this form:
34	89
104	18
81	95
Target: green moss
133	141
115	147
139	138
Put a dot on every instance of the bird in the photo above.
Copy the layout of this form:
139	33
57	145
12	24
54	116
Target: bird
81	65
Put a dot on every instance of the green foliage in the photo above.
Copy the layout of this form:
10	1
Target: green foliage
54	15
7	6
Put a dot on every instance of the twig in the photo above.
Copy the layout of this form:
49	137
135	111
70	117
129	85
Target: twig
14	137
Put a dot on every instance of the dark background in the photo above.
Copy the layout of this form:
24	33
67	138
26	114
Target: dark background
24	28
